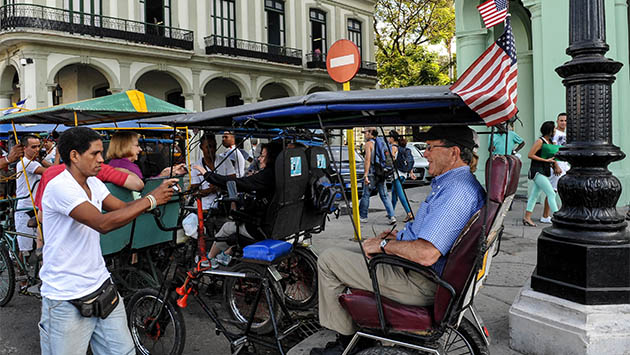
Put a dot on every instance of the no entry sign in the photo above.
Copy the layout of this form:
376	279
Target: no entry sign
343	60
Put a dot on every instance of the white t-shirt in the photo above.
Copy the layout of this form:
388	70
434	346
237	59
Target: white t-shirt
50	157
73	262
233	165
22	189
559	137
207	201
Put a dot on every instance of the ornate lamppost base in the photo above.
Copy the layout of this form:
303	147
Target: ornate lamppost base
544	324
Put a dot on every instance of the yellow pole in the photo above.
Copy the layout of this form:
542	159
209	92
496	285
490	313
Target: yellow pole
76	121
188	156
353	175
28	184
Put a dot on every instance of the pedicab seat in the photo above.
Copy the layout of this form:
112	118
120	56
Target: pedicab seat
314	217
268	250
117	239
458	275
146	232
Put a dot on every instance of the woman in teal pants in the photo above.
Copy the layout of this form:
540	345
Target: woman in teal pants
396	140
539	172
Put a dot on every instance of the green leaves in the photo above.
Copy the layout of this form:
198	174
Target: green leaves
403	30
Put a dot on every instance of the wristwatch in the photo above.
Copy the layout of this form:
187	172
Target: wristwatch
383	244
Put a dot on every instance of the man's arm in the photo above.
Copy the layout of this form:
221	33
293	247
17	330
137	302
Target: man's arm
122	213
367	162
16	152
519	147
419	251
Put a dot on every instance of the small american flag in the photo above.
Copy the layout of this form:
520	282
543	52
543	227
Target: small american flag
488	86
493	11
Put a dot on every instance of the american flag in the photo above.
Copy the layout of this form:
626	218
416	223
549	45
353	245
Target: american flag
493	11
488	86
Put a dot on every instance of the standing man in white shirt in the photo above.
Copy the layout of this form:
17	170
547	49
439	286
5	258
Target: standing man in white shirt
74	276
34	171
208	145
235	162
559	138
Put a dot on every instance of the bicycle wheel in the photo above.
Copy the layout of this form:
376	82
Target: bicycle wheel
240	296
299	279
7	276
165	336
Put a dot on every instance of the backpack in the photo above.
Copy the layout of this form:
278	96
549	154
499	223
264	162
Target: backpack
383	163
322	193
404	160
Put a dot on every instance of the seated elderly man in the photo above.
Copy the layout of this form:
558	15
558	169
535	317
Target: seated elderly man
455	197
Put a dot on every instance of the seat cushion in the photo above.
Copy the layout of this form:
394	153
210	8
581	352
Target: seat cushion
267	250
361	305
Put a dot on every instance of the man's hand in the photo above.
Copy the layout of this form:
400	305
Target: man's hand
16	153
372	246
178	169
200	169
366	180
388	234
556	169
164	192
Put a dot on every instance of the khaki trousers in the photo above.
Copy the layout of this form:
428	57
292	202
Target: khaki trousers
341	268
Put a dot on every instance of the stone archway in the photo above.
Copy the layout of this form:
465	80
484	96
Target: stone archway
9	86
161	85
221	92
77	82
273	91
317	89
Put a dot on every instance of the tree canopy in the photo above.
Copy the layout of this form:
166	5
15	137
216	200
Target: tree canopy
403	30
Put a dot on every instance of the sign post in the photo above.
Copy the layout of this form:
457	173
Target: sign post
342	63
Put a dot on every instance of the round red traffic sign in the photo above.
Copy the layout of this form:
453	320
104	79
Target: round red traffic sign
343	60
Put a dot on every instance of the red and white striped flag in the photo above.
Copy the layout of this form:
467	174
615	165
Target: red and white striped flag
493	11
488	86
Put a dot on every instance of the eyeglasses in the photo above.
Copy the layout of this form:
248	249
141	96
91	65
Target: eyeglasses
431	147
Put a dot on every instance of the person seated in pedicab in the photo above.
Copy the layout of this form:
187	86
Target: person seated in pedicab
262	184
123	151
455	197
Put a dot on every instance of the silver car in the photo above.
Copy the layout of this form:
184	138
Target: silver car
420	166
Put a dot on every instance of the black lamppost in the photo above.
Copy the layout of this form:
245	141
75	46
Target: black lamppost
585	256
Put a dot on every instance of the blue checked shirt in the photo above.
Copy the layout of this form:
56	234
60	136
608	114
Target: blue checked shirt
455	197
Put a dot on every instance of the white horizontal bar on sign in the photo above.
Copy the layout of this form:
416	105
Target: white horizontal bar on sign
341	61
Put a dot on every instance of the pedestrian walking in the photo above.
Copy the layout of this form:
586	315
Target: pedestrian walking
375	174
403	162
506	142
559	138
540	171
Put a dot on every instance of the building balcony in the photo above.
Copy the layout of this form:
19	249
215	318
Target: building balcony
242	48
316	60
20	16
367	68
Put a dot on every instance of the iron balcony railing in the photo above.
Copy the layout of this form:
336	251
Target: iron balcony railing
368	68
17	16
239	47
316	60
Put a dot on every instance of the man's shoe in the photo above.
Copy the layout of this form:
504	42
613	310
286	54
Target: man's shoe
224	259
392	220
545	220
363	220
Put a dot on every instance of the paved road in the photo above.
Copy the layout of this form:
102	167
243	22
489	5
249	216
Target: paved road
510	270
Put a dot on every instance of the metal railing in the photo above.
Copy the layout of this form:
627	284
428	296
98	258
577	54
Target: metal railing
239	47
316	60
17	16
368	68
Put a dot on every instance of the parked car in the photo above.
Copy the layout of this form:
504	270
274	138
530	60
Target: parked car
420	166
339	162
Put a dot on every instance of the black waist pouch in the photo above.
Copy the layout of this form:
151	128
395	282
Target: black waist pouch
99	303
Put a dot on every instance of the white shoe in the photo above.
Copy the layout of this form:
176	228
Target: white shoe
392	220
545	220
363	220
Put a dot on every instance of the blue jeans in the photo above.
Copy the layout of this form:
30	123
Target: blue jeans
364	204
62	330
398	193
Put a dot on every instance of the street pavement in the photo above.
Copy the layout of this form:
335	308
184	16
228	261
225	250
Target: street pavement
510	270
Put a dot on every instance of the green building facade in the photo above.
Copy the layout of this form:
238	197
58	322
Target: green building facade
541	31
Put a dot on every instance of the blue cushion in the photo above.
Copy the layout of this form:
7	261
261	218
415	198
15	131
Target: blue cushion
267	250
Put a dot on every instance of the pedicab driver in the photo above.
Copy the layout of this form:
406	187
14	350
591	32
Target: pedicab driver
455	197
74	277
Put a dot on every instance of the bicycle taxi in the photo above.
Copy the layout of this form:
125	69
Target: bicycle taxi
400	329
143	236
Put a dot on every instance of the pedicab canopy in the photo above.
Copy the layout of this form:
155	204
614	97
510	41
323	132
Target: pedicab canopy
418	105
128	105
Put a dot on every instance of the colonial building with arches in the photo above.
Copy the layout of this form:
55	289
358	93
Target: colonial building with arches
196	54
541	31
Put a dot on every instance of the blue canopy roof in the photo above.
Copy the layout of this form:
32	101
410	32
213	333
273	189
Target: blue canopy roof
419	105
